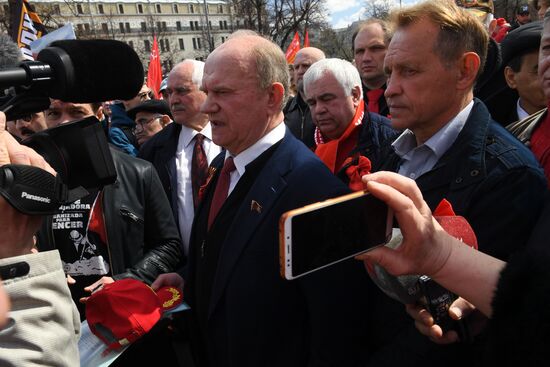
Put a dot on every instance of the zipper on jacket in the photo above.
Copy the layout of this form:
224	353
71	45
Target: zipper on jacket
126	213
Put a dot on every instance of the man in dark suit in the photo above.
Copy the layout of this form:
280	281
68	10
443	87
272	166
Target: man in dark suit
244	313
171	150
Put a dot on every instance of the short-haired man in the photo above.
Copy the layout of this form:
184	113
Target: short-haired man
346	127
177	151
123	230
245	313
451	146
296	111
535	129
27	125
520	54
151	117
369	44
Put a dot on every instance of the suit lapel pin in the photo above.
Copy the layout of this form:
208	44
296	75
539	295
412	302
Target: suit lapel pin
255	207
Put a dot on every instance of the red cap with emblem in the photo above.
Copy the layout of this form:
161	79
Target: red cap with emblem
127	309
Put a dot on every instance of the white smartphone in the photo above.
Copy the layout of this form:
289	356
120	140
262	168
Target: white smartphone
325	233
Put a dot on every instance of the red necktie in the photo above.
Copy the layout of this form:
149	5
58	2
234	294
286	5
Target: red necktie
222	188
199	168
373	96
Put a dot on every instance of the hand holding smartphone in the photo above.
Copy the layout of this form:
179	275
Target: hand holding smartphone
325	233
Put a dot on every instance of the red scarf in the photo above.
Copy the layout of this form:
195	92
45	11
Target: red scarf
374	96
334	152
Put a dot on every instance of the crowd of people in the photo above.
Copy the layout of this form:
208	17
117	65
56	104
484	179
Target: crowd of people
433	97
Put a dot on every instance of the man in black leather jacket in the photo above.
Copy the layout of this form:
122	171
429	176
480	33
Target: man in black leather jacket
124	230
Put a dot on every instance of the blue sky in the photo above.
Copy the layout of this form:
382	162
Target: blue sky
344	12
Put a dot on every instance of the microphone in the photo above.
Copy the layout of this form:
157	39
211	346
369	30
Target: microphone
79	71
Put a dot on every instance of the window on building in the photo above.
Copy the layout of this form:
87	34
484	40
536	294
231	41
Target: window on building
79	28
161	44
225	24
87	27
238	23
158	9
191	24
147	45
128	29
220	9
131	44
197	25
178	25
182	45
209	24
191	9
104	28
121	26
56	9
143	27
167	44
221	24
79	9
100	9
121	8
6	9
194	43
223	39
164	27
199	43
140	8
175	8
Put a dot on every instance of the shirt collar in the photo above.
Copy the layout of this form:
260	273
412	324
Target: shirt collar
438	143
242	159
520	111
187	134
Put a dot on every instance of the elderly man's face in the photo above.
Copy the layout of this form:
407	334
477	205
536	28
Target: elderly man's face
544	60
420	88
527	83
184	97
63	112
147	125
235	104
331	109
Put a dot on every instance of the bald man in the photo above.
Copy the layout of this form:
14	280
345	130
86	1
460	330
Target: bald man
244	313
297	115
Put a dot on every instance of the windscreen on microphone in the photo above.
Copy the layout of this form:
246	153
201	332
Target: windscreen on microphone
89	71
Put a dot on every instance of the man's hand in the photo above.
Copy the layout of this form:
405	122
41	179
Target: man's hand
96	286
460	309
168	279
425	247
17	228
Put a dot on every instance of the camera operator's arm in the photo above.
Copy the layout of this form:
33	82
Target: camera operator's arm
44	324
427	248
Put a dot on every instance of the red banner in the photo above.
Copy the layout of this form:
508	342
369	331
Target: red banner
306	40
154	74
292	49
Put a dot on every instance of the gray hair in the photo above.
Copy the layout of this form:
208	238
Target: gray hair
345	73
10	54
198	70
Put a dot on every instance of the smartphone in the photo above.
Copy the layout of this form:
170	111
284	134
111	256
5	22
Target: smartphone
325	233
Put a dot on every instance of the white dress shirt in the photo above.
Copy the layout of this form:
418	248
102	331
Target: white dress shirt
520	111
253	152
184	155
417	160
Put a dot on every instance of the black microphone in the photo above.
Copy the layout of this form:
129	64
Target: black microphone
79	71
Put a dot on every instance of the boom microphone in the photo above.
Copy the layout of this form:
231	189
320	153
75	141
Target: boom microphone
79	71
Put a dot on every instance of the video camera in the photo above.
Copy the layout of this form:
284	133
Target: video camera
79	71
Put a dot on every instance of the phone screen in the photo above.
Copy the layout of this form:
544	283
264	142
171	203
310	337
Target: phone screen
337	232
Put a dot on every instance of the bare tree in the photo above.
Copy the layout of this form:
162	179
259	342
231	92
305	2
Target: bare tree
378	8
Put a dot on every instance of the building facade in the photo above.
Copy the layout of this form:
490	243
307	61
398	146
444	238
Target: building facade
184	29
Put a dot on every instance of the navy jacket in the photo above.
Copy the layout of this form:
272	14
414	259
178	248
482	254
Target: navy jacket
256	318
495	182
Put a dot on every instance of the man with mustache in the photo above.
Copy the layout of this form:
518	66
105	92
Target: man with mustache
174	150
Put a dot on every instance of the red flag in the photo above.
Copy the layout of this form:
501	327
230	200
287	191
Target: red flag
154	74
292	49
306	40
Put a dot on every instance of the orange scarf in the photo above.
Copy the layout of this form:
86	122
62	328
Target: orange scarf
331	150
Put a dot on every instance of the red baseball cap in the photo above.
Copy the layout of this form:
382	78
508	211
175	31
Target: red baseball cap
123	311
